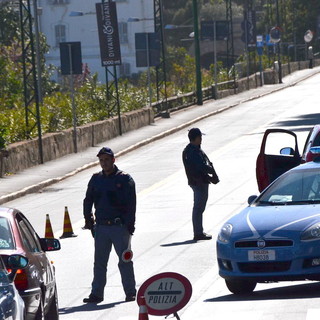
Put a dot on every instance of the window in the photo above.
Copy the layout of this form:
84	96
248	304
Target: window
123	32
29	237
6	239
60	33
59	2
124	70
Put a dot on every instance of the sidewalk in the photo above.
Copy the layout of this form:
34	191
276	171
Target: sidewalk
38	177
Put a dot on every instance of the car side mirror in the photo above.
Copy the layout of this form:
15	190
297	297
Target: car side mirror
48	244
16	261
251	199
287	151
315	150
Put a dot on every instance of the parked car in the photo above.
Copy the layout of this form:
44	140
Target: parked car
271	166
277	237
11	303
36	283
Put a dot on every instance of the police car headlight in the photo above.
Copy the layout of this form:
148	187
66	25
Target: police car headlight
312	233
225	233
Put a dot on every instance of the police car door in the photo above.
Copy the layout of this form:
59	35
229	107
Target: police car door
274	159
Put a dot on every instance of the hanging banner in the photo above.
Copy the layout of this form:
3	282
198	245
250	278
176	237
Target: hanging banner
108	33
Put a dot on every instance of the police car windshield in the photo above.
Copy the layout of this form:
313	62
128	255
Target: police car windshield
293	188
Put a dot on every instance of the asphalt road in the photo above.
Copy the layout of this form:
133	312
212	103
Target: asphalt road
162	242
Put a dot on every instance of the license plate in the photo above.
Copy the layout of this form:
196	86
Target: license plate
261	255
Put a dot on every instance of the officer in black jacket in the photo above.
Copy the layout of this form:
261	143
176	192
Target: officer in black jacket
112	192
200	172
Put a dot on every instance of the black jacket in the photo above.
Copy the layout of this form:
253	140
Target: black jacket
197	165
112	196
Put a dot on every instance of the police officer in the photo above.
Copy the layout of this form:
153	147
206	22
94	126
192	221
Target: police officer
200	173
112	192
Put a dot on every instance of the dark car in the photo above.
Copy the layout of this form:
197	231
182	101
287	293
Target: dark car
36	283
11	304
273	163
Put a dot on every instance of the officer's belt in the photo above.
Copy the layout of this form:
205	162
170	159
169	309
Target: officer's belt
114	222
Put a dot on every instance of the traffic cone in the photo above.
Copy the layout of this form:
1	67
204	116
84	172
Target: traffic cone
143	310
67	227
48	232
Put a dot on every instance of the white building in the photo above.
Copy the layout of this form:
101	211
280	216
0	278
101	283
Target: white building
58	26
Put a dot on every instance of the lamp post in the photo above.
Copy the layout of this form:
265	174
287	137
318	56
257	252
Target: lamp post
215	59
37	42
197	53
279	55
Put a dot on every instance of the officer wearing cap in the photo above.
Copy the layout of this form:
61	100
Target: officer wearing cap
200	172
112	193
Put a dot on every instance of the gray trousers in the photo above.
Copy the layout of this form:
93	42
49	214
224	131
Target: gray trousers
200	197
105	237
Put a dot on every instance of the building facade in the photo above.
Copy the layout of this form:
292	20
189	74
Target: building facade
75	20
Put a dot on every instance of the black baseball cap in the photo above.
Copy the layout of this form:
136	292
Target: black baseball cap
105	150
194	132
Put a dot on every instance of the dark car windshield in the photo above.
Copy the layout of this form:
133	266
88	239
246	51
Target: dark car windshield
294	187
6	239
4	280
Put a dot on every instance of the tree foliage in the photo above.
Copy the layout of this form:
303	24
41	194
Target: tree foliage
296	16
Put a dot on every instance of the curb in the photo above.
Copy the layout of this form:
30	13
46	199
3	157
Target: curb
37	187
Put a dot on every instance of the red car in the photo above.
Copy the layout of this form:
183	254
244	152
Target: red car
272	163
36	283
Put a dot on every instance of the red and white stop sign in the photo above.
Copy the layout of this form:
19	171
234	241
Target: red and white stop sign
165	293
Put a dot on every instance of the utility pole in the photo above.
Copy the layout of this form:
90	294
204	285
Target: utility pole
161	74
112	90
197	53
30	83
278	44
230	44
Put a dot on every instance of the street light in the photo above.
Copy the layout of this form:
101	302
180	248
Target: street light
279	54
197	53
80	13
135	19
173	26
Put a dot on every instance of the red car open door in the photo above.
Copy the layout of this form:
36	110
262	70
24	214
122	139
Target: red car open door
271	165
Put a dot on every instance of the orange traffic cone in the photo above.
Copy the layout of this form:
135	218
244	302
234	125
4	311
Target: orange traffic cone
143	310
48	232
67	227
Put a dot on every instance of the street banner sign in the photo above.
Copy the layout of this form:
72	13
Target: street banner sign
222	30
70	58
248	25
108	33
165	293
147	46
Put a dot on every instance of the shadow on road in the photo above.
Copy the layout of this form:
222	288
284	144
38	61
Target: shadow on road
302	123
88	307
178	243
309	290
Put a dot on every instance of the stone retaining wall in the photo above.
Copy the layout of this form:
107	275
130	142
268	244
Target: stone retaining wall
22	155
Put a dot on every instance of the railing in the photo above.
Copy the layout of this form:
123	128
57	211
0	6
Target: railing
227	88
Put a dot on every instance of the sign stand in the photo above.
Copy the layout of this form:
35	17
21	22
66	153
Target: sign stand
165	294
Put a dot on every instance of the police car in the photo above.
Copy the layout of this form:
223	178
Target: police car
277	237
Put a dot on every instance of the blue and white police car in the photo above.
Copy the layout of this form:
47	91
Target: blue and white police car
277	237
